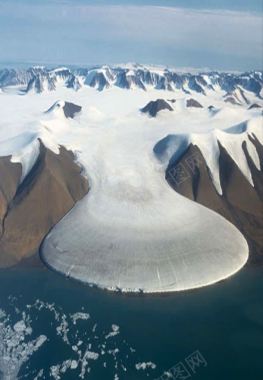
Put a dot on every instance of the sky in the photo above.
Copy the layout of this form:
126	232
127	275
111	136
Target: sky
211	34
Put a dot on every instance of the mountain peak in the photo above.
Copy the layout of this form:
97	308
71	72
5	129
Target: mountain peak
66	109
154	107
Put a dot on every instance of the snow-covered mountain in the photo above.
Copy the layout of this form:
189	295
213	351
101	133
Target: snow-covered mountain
155	106
238	141
41	79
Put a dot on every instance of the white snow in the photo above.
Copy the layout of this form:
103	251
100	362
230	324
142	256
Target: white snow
132	231
58	69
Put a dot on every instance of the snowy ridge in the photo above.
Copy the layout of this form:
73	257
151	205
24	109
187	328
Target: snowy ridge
41	79
57	108
232	139
24	148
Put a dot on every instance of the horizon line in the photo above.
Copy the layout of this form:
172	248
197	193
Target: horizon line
53	65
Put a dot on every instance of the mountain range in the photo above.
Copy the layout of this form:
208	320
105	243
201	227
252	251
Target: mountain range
41	79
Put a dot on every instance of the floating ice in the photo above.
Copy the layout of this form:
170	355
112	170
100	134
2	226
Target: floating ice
79	357
83	316
145	365
115	331
15	345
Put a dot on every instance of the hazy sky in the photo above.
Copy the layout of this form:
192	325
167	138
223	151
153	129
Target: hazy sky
216	34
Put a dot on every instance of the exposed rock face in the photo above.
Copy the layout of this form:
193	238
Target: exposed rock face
242	95
254	105
28	211
10	174
240	203
69	109
232	100
153	107
99	81
236	97
193	103
40	82
213	110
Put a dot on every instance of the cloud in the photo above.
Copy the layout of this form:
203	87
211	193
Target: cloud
127	32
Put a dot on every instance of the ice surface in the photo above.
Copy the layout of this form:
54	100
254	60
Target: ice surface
16	345
132	231
153	245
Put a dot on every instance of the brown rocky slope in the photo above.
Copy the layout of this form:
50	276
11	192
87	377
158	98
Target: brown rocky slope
28	211
240	203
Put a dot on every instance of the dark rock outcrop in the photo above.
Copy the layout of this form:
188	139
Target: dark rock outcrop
153	107
232	100
240	203
40	81
10	174
193	103
213	110
69	109
242	95
254	105
30	209
99	81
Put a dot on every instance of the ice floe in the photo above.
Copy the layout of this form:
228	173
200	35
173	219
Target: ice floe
80	345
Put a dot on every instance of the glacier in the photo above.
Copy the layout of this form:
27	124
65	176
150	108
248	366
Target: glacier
132	232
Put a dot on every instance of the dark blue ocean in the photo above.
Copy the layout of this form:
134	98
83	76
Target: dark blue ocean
214	333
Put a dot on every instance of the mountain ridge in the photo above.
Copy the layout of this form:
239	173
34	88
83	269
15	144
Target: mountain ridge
40	79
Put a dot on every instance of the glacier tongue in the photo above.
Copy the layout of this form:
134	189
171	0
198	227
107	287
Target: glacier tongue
133	232
154	248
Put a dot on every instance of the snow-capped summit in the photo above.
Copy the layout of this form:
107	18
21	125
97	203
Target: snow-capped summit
64	109
153	107
170	149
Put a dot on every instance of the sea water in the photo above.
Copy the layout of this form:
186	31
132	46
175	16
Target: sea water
52	327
